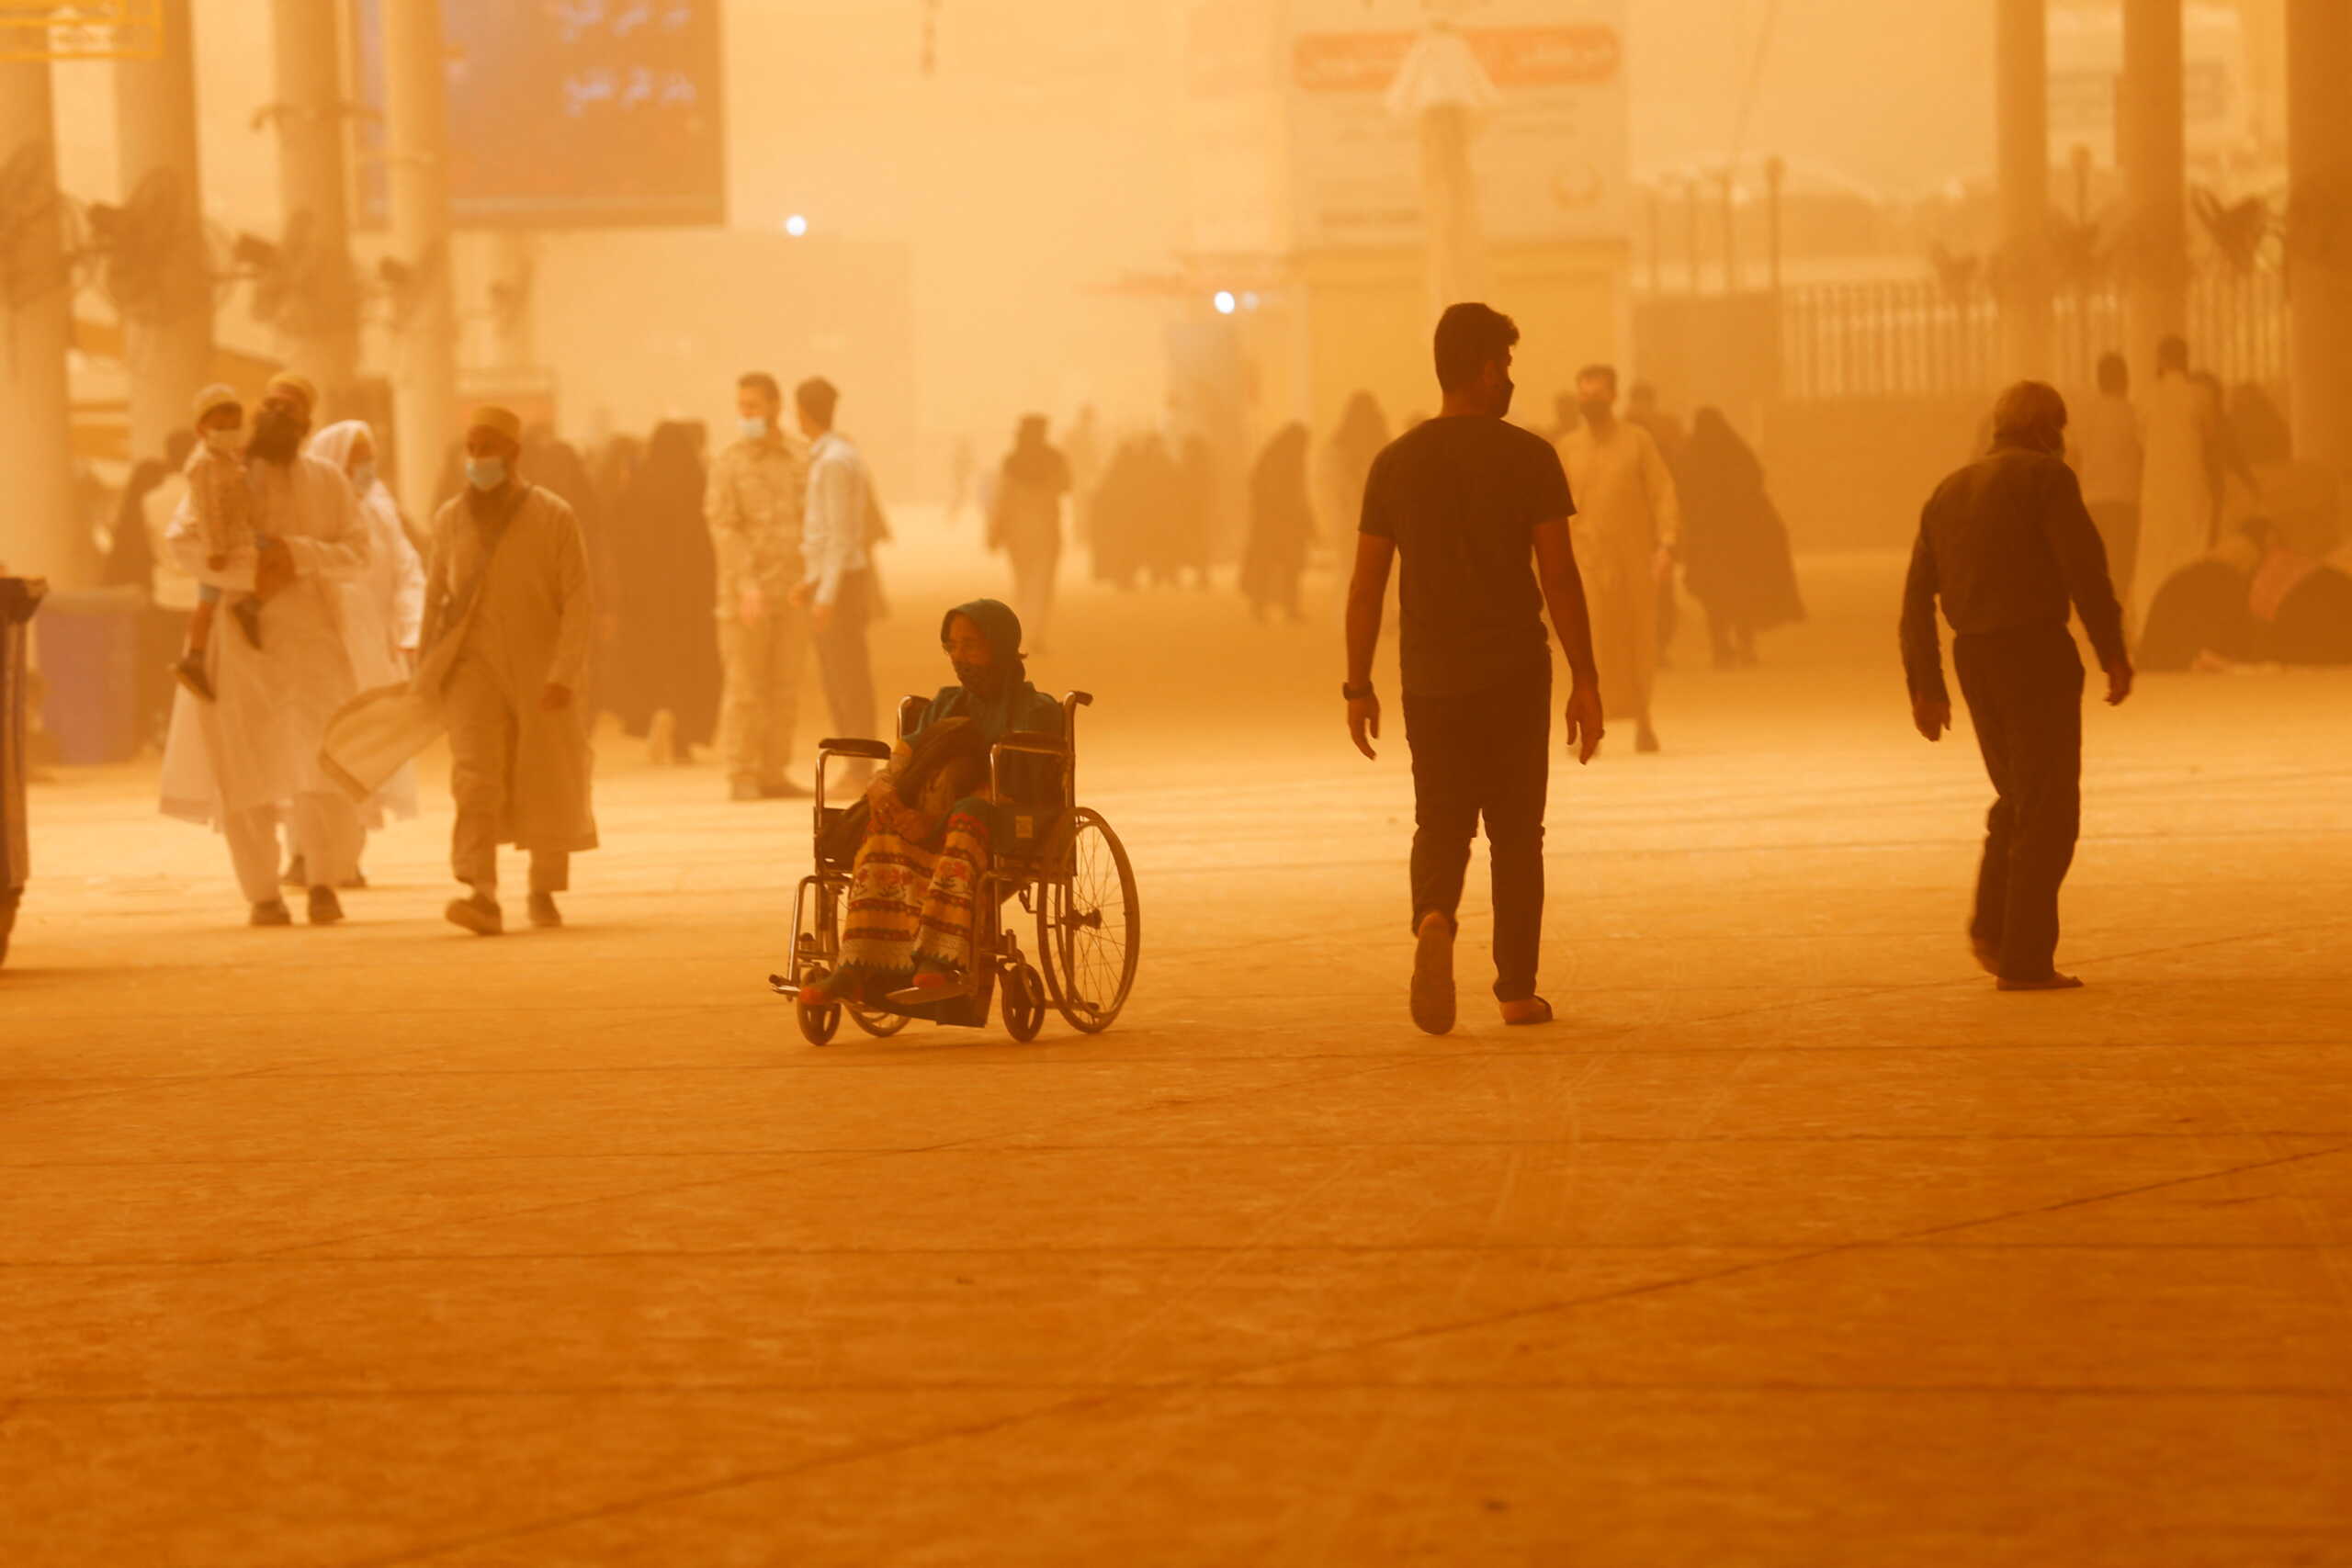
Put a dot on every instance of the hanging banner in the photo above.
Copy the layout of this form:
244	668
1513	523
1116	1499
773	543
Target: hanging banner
1551	161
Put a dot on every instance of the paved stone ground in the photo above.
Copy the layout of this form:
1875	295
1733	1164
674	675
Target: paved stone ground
1792	1243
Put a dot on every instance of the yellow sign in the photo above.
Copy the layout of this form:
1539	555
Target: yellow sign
81	30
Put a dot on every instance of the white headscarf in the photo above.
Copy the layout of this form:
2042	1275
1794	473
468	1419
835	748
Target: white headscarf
335	441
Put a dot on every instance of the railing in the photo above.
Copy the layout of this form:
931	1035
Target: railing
1923	339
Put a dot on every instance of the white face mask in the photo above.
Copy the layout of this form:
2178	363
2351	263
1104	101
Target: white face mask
363	477
225	442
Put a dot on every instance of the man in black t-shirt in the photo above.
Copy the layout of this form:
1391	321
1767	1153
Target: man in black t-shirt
1466	501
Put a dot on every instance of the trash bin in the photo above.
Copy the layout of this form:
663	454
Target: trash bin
19	596
89	660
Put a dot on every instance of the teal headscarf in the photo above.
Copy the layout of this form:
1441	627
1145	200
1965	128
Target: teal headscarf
1016	704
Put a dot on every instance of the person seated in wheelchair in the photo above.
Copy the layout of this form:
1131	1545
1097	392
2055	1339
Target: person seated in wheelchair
927	822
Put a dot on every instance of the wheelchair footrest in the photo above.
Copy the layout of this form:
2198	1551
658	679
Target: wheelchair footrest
917	996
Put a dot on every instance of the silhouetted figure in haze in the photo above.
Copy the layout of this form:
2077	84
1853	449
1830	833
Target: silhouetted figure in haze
2006	544
2108	454
841	524
1735	557
758	490
1167	533
1202	498
2264	437
2179	517
1114	517
1643	411
1464	502
666	641
1348	455
1281	525
133	560
1026	521
1627	525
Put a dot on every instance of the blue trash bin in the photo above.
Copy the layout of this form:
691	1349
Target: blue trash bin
89	659
19	597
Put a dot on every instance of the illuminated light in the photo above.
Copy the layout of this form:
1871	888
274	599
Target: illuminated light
795	225
1250	301
1224	301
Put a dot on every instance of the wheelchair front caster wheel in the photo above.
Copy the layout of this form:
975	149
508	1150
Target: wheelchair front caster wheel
1024	1002
818	1024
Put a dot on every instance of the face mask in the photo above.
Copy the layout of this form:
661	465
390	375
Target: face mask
224	442
1511	391
485	473
756	429
981	680
363	477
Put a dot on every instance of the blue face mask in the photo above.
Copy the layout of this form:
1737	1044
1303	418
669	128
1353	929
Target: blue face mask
363	477
485	473
756	429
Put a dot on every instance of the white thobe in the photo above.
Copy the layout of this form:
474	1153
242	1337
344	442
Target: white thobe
1626	512
2177	486
250	758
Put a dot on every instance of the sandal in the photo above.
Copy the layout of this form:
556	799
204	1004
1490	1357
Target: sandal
1531	1018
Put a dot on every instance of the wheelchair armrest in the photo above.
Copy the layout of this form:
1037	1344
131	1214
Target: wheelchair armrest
874	749
1038	743
1080	699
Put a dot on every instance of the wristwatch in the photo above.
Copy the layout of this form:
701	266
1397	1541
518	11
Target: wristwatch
1355	693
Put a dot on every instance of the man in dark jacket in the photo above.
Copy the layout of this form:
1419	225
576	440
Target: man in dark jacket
2007	544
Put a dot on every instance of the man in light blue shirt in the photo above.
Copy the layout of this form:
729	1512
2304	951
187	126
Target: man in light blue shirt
837	526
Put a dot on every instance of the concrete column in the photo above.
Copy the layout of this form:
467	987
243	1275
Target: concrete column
2319	228
168	349
2151	142
324	328
424	393
40	533
2021	50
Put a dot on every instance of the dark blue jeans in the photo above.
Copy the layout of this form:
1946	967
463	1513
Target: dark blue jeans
1485	756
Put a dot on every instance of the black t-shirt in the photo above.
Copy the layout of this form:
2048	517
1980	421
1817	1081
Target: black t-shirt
1461	498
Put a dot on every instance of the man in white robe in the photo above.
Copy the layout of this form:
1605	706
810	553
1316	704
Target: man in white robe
2178	514
508	624
248	761
1626	525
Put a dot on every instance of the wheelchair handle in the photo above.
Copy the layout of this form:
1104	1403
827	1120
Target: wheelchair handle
876	750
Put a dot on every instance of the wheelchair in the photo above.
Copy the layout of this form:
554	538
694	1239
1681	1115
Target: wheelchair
1061	865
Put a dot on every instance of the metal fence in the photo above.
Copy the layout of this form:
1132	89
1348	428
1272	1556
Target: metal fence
1923	339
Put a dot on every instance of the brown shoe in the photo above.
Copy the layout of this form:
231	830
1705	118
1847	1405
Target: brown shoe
2048	983
544	914
479	915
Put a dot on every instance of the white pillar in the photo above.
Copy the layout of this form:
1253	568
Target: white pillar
167	347
2152	141
40	533
324	339
2319	228
424	391
2021	40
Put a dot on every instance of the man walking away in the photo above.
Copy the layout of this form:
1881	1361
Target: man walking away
837	583
2107	453
507	627
758	488
2177	515
2005	543
1463	500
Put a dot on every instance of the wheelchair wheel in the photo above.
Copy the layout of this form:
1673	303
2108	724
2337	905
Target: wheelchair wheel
881	1025
1024	1003
1088	925
820	1024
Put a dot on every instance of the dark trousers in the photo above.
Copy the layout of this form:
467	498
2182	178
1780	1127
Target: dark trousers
2025	698
1487	754
844	662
